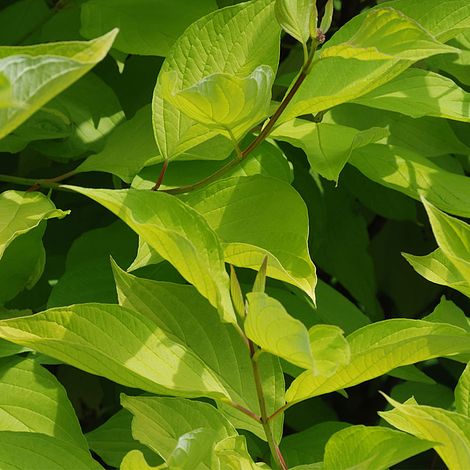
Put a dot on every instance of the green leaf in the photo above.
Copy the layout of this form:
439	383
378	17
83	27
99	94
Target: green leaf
87	112
22	211
158	423
147	27
88	276
143	356
370	447
309	445
322	349
447	312
128	149
380	347
387	34
453	238
450	264
428	136
229	104
329	348
216	42
135	460
297	17
337	80
341	242
33	400
6	93
328	146
462	393
436	267
414	175
449	431
266	159
269	326
232	454
22	263
246	215
429	394
34	450
191	450
236	294
427	94
178	233
47	69
189	319
327	17
113	440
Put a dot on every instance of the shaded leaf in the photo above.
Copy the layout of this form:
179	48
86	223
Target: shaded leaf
147	27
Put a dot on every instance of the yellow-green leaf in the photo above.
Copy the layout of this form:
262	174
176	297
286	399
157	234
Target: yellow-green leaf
40	72
178	233
449	431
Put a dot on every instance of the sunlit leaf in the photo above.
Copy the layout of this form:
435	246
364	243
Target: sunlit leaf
328	146
414	175
178	233
417	93
143	356
371	448
387	33
185	315
36	450
449	431
381	347
38	73
224	102
246	215
220	48
297	17
22	211
33	400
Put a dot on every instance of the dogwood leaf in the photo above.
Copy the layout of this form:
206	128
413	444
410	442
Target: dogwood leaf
23	211
230	104
36	450
328	146
427	94
385	34
38	73
246	215
297	17
220	49
184	314
370	447
147	27
381	347
414	175
449	431
178	233
114	342
33	400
